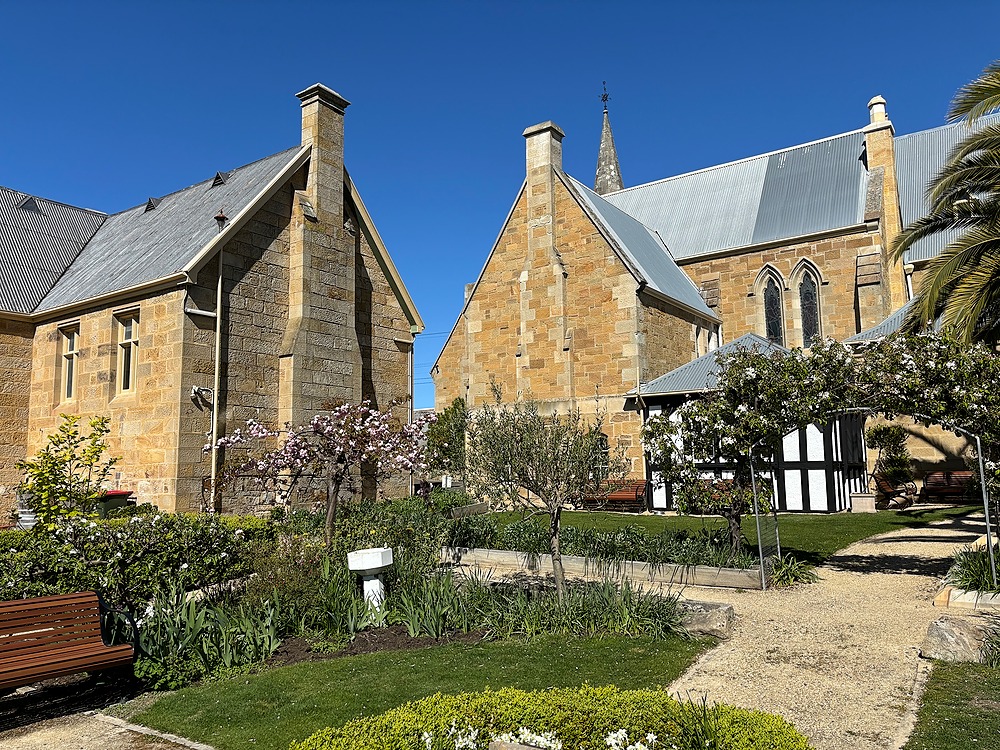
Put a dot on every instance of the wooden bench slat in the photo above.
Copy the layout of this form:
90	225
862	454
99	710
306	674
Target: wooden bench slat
66	601
47	638
25	674
12	622
52	636
9	661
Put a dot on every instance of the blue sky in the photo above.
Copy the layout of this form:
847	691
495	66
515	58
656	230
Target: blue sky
106	104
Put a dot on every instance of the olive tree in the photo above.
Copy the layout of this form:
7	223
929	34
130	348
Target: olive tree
521	458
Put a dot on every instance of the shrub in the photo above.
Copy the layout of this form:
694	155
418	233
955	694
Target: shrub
183	638
971	569
579	717
787	571
894	459
66	477
991	643
128	559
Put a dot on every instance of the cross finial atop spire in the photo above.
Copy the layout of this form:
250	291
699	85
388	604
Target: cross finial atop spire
609	175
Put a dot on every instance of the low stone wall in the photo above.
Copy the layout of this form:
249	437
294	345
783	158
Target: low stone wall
582	567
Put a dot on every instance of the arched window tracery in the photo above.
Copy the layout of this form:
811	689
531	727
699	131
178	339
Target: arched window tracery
772	313
809	309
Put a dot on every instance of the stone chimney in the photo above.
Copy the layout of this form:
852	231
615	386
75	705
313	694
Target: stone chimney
323	129
321	271
544	146
881	153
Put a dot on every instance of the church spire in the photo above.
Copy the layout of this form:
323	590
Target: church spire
609	174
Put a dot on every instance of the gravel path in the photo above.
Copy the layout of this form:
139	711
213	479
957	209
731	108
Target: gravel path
837	658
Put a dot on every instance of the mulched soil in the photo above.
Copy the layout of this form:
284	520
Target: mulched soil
392	638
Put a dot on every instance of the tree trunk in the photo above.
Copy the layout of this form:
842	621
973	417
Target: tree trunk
557	567
735	530
332	496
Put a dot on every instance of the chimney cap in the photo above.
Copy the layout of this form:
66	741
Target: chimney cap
542	127
877	99
324	95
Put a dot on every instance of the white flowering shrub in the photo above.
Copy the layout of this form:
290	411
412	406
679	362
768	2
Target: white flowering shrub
762	396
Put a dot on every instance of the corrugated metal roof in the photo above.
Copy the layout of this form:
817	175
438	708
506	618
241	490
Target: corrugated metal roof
645	251
699	375
888	326
138	246
919	157
36	246
800	190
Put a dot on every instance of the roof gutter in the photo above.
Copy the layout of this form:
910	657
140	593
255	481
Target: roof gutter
162	284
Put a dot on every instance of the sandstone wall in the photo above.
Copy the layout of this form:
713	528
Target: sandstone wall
844	307
144	422
15	364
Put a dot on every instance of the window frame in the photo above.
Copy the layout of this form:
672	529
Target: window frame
126	351
69	359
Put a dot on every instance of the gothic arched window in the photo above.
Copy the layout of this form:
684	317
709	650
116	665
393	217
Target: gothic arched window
772	313
809	309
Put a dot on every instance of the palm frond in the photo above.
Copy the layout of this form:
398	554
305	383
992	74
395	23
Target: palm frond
973	294
978	97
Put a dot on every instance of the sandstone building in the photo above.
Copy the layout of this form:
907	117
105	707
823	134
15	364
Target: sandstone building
164	314
588	293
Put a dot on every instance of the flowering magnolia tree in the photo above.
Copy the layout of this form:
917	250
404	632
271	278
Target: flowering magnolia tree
762	396
340	446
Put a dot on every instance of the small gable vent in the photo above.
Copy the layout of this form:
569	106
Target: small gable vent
152	203
220	179
30	204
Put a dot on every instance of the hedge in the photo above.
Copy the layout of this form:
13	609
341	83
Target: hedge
581	718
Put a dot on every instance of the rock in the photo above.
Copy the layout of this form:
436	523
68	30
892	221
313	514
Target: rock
954	639
709	618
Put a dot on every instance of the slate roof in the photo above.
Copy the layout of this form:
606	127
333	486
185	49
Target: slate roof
644	251
699	375
39	238
919	157
138	245
788	193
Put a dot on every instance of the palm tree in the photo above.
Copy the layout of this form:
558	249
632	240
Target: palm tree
961	286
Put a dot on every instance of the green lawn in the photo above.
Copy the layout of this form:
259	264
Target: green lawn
960	709
271	709
809	537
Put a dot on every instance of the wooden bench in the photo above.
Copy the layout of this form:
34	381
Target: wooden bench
945	484
54	636
899	495
629	498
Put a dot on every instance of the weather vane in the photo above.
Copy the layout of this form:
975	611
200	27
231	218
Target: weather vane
604	96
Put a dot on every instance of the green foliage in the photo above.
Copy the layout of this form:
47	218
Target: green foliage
991	642
628	542
183	638
66	478
578	717
519	457
128	559
787	571
894	458
446	439
961	285
971	570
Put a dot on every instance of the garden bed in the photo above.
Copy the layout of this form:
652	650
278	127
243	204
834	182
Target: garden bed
639	573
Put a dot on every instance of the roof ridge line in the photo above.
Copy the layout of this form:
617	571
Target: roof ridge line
58	203
735	161
202	182
958	124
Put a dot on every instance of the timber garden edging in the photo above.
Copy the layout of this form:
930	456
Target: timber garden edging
583	567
